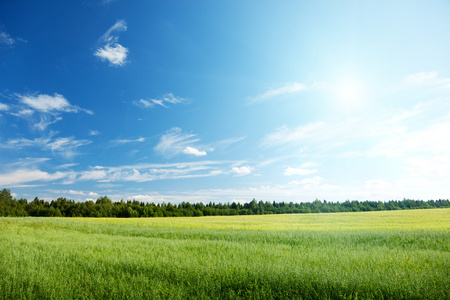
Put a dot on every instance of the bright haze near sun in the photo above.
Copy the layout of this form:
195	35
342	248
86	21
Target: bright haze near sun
222	101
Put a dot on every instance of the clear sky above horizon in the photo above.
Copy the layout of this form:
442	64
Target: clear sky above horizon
225	101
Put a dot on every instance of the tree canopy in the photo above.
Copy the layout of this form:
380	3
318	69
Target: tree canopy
104	207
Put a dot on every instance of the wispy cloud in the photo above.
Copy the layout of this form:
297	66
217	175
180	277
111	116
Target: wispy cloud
227	142
41	109
45	122
94	132
285	135
7	41
174	142
430	78
304	169
126	141
194	151
46	103
151	172
29	161
437	165
242	171
164	101
110	50
65	166
420	130
289	88
66	146
28	175
50	104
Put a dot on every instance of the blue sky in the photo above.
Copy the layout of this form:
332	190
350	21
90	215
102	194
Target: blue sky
225	101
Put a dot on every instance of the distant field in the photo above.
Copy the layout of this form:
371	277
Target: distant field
433	219
370	255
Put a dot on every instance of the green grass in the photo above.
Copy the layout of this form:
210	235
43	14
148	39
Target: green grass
376	255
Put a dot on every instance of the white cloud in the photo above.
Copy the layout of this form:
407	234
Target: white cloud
46	107
285	135
241	171
286	89
227	142
159	102
5	39
23	113
65	166
313	181
45	122
428	139
193	151
173	99
3	106
25	163
110	49
94	132
421	77
28	175
377	184
144	103
174	142
126	141
116	54
430	78
167	98
392	134
151	172
147	198
93	175
111	35
72	192
65	146
47	103
437	165
298	171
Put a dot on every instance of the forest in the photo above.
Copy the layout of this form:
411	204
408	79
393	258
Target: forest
104	207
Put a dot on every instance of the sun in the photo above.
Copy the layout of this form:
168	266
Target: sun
350	94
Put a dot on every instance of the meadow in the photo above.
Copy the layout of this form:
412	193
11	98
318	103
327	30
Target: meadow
361	255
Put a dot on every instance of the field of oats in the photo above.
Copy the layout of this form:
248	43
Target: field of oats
366	255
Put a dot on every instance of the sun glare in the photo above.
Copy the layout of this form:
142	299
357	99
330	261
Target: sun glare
349	93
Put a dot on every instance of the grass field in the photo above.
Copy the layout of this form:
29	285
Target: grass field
372	255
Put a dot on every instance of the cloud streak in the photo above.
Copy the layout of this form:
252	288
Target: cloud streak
430	78
126	141
194	151
242	171
110	49
7	41
65	146
41	109
167	99
287	89
174	142
416	137
298	171
22	176
151	172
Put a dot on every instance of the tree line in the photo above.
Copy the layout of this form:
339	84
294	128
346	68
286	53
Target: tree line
104	207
